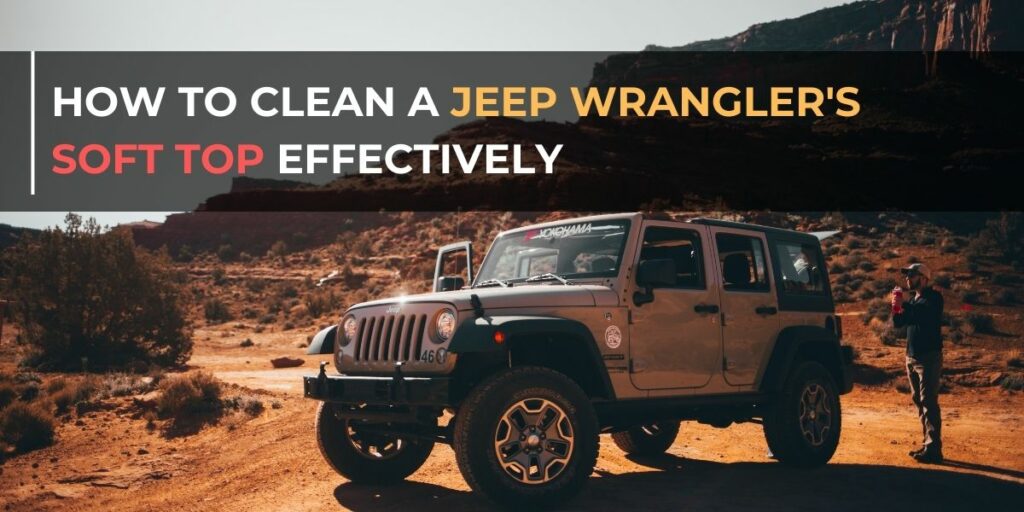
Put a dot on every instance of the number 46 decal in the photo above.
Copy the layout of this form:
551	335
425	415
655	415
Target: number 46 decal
430	356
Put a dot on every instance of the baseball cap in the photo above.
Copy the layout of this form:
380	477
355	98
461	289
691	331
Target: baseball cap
917	268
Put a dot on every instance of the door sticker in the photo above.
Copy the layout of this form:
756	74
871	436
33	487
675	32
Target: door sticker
612	337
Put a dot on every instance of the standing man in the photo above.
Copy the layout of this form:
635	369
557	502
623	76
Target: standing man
922	316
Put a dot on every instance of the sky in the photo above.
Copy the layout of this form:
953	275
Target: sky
322	25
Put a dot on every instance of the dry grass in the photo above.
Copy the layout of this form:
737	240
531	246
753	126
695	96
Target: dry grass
27	426
191	394
72	392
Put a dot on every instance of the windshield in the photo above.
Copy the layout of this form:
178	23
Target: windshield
570	250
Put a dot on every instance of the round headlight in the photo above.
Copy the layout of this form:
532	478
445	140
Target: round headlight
445	325
348	330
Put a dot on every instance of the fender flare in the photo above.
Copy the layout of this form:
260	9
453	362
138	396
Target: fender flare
476	335
323	342
788	345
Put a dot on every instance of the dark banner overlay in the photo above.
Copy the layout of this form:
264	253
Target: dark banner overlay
256	131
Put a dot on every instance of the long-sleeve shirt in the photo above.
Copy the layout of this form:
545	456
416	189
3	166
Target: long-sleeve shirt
922	316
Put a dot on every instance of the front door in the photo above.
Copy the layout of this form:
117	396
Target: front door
750	320
675	340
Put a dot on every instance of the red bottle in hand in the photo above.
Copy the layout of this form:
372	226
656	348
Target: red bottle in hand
897	301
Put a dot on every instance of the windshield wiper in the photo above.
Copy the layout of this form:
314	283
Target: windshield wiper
548	277
492	282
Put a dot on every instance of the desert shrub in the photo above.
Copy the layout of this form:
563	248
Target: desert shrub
1015	359
1003	279
80	293
1002	239
268	318
854	260
1012	382
227	252
185	254
889	254
955	337
855	243
913	259
256	285
889	335
287	291
74	392
320	302
836	268
943	281
1004	298
949	246
215	310
219	276
8	393
24	377
125	384
969	296
278	249
880	309
979	323
867	266
27	426
840	295
246	343
186	395
248	404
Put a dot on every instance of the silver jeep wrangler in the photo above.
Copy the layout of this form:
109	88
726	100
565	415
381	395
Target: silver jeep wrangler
621	324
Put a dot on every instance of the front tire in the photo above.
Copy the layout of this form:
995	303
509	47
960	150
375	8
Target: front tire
526	437
650	439
803	424
367	457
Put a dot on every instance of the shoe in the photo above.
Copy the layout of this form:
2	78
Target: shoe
915	453
929	456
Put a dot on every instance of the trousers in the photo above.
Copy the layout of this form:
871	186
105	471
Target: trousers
924	372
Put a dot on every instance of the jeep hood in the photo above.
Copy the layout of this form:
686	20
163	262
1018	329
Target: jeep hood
519	296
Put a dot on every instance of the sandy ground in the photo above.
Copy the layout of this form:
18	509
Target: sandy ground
109	461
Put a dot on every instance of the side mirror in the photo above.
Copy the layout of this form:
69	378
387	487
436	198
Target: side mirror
449	283
651	273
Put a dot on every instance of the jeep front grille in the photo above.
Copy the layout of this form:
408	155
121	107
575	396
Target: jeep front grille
390	337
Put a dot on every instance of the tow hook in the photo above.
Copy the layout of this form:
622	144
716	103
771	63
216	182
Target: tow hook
321	379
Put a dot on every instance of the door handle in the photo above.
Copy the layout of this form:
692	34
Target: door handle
706	308
766	310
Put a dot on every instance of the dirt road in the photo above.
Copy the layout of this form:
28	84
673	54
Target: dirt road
110	461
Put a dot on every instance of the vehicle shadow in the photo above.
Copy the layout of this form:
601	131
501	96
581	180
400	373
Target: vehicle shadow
678	483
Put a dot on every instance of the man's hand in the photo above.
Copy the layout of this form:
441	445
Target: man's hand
897	301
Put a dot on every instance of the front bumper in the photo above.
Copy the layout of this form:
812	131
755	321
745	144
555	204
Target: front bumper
394	390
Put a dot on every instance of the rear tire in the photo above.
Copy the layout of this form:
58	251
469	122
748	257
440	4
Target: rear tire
803	424
526	437
647	439
367	457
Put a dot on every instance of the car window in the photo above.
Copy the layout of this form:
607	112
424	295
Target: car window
800	268
741	259
681	246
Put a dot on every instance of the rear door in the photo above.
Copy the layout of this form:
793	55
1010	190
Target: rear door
672	343
750	320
